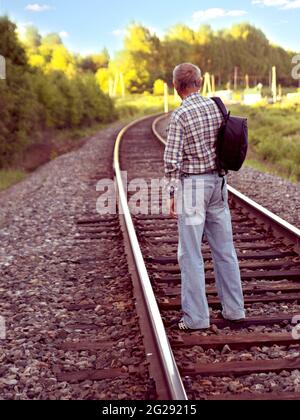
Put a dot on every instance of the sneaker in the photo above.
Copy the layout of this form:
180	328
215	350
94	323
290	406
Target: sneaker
181	325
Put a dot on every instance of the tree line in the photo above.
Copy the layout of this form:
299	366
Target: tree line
49	87
242	48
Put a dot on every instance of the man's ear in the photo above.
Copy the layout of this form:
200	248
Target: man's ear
199	83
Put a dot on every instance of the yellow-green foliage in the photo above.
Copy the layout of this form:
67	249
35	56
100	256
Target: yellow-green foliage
10	177
275	135
46	87
139	105
159	87
146	57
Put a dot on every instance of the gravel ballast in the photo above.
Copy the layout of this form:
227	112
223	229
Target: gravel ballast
47	268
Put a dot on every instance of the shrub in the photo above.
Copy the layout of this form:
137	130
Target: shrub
159	87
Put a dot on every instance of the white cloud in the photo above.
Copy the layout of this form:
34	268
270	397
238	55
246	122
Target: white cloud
36	7
215	13
64	34
118	32
292	5
271	3
281	4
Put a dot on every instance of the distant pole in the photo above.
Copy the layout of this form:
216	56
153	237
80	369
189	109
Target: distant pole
166	98
274	84
207	85
280	91
213	83
247	81
122	85
236	74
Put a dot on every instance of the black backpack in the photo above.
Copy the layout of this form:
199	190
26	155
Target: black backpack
232	142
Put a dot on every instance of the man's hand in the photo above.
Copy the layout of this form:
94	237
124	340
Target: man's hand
173	213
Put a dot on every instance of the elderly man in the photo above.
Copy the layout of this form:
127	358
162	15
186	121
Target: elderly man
202	206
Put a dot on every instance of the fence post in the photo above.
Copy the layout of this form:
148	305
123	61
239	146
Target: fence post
236	70
274	84
213	84
166	98
247	81
207	85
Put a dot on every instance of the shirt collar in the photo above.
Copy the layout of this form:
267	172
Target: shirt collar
191	96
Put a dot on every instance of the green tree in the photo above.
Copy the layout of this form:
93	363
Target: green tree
10	47
140	60
32	38
95	62
45	92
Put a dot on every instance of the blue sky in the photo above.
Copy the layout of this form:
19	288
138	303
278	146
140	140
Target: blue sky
89	25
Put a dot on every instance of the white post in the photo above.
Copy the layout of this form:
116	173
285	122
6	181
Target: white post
247	81
166	98
236	72
213	84
207	85
274	84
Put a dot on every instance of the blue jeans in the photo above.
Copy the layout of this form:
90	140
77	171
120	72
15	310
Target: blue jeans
202	210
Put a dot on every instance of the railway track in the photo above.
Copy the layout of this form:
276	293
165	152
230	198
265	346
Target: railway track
257	360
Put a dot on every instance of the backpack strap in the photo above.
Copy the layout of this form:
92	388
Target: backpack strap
218	101
222	108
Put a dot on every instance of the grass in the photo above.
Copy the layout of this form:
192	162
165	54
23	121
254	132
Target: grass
136	106
274	131
9	177
274	134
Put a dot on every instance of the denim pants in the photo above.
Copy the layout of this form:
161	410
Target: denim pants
203	209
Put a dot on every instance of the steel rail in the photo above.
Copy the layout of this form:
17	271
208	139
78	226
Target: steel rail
171	373
270	219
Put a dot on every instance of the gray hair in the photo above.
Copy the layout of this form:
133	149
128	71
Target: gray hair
186	76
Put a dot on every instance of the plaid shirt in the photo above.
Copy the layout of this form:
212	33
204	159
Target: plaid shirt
192	135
